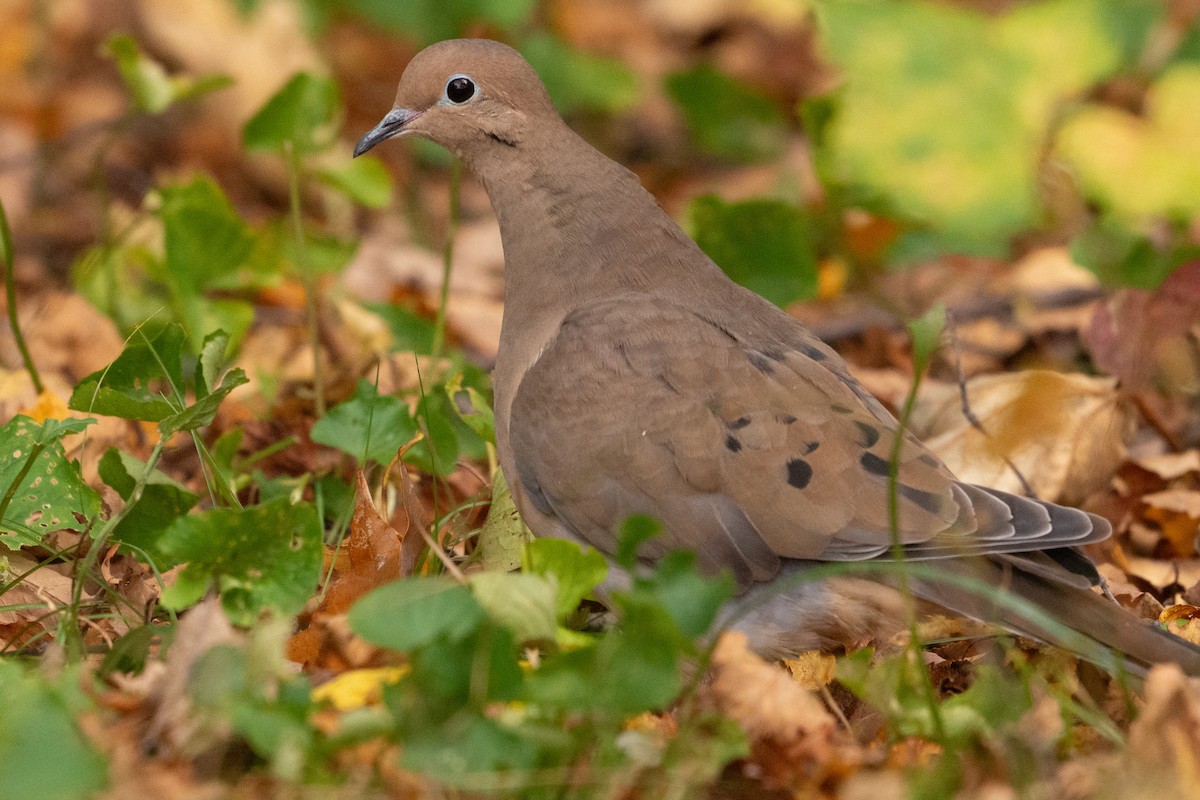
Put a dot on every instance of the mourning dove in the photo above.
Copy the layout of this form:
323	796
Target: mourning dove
633	377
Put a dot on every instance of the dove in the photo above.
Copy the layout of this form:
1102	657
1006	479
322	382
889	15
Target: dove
633	377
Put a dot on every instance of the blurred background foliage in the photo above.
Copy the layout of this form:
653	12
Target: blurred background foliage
956	127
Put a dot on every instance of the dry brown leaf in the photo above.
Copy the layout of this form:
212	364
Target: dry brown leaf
372	548
1161	572
45	588
1164	741
1177	514
1050	271
260	49
1066	433
1141	336
172	724
1170	466
792	735
813	670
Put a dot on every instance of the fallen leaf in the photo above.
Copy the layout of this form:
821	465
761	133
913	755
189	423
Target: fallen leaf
1141	336
1170	466
1066	433
792	736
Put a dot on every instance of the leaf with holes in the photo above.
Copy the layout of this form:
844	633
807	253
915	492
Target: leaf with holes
41	490
265	556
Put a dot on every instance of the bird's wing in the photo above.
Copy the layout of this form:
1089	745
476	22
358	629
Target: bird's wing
746	453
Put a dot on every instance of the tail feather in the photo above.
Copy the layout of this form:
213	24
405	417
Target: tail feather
1089	625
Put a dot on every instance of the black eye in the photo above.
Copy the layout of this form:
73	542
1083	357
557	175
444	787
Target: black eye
460	89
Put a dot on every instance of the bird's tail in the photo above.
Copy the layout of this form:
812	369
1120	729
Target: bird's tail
1067	616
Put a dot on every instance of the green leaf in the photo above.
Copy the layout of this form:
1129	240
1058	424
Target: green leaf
44	490
261	557
364	180
579	81
1122	257
151	89
578	570
629	671
437	452
926	332
635	531
411	613
429	21
691	599
39	738
204	238
368	427
411	332
522	603
944	108
212	362
472	407
163	500
301	112
147	81
467	671
1142	165
728	118
470	745
503	533
123	388
765	245
205	408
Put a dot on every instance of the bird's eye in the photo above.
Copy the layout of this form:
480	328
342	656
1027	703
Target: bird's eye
460	89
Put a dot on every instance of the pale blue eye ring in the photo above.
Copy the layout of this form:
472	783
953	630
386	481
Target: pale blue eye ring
460	89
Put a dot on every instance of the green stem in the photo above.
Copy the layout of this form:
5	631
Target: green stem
914	632
439	329
10	291
307	278
34	452
84	566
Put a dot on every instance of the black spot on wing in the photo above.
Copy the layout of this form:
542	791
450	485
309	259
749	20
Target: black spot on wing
738	423
812	352
926	500
800	472
760	362
928	460
874	464
786	419
732	444
810	446
840	409
870	433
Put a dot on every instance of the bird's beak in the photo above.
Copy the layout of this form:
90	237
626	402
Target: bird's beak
393	124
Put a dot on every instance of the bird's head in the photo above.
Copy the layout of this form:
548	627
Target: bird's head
472	96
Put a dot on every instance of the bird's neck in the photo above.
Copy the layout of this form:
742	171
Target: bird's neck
575	226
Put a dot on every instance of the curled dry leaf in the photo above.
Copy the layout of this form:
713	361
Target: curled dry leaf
1065	433
373	550
791	733
1164	741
